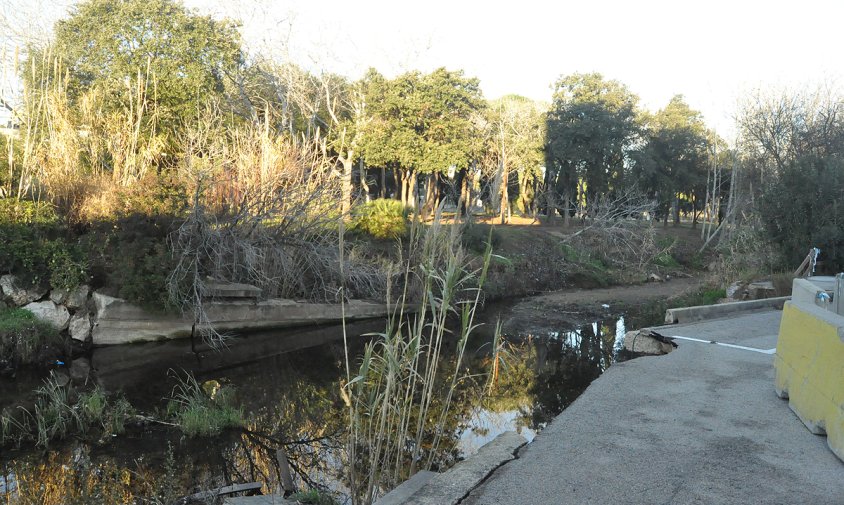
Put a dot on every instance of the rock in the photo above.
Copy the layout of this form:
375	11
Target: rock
80	369
734	290
78	298
17	295
647	342
80	327
58	296
655	278
56	315
61	377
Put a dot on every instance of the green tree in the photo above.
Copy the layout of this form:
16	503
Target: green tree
591	128
678	151
421	124
112	44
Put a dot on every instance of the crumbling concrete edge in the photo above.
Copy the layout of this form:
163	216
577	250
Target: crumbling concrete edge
455	485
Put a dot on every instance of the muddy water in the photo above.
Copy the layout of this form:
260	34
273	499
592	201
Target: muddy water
289	383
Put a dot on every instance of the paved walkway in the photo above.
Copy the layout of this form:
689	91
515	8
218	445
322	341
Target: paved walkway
701	425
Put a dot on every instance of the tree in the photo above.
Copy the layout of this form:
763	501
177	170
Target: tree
678	144
515	140
421	124
591	127
184	57
793	145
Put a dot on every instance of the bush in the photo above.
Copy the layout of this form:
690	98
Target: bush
131	255
202	413
801	208
22	336
381	218
34	246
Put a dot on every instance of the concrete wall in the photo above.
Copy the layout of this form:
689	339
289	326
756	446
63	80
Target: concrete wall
809	366
120	322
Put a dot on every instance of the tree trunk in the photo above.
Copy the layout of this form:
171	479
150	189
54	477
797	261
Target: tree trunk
346	186
504	206
383	190
566	207
364	186
404	187
676	209
411	190
694	212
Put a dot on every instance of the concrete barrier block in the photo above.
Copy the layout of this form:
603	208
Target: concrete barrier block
809	371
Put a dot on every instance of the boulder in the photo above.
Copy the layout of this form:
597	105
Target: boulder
80	327
61	377
80	369
58	296
647	342
78	298
19	296
56	315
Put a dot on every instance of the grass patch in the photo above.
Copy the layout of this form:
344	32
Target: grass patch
56	414
313	497
711	296
203	413
22	336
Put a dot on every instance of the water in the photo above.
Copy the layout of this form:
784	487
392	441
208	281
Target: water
289	384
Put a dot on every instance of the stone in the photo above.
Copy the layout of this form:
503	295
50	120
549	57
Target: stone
655	278
18	295
56	315
78	298
58	296
61	377
80	326
735	290
647	342
80	369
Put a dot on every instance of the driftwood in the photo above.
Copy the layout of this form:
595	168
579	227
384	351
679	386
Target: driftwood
250	487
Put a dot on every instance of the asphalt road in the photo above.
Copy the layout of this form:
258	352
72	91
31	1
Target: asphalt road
701	425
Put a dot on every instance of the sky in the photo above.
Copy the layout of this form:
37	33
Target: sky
713	52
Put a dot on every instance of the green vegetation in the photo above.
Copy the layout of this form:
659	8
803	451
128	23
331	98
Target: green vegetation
381	219
59	411
22	336
313	497
202	413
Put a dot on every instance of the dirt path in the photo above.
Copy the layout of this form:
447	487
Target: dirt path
563	310
626	295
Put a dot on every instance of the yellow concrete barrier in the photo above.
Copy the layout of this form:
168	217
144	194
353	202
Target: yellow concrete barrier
810	369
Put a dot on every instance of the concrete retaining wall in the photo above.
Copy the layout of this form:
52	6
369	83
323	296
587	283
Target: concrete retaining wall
703	312
120	322
809	366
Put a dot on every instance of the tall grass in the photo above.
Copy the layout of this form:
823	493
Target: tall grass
397	409
198	413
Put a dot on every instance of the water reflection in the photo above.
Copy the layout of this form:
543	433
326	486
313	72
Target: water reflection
292	403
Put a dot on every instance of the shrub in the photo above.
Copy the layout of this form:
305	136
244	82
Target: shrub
34	246
199	413
22	335
131	255
381	218
801	208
